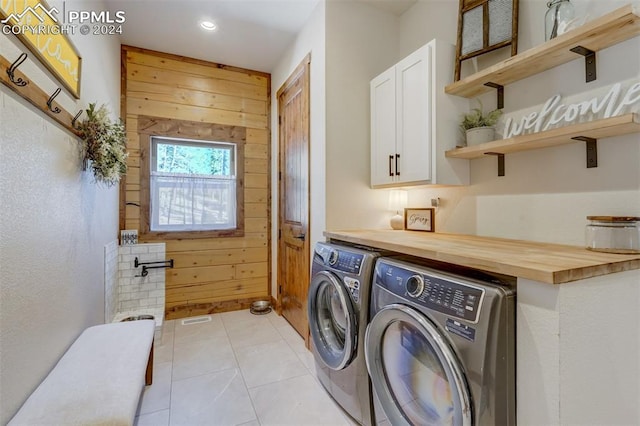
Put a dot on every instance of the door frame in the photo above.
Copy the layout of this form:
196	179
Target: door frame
305	63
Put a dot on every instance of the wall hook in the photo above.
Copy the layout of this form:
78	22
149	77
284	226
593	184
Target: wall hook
55	110
19	82
73	122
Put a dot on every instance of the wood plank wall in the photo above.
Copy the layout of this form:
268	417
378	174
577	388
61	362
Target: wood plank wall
210	274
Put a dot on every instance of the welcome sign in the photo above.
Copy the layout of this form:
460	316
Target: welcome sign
555	112
36	25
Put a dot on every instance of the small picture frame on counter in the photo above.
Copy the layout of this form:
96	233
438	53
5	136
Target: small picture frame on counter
419	219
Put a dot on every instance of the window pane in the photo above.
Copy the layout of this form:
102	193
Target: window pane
193	185
190	157
182	203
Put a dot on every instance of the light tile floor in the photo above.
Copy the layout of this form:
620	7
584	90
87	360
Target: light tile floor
236	369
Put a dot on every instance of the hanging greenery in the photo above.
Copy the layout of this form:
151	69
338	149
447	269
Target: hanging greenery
104	145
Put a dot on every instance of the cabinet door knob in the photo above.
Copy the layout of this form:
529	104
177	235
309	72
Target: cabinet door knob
390	161
397	169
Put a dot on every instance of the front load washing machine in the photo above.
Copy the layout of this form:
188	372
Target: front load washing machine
338	314
440	347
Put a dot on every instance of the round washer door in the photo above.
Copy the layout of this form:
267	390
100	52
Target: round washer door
332	320
414	371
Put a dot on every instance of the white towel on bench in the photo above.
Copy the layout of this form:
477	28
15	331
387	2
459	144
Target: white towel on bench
98	381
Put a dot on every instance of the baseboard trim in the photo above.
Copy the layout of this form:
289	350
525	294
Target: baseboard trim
196	309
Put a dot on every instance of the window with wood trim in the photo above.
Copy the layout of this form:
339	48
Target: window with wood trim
193	185
191	180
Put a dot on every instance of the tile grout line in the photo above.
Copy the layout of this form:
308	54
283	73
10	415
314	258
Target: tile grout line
173	357
244	382
137	418
284	335
311	368
284	339
289	344
298	354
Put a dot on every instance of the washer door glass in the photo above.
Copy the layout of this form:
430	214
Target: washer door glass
415	373
332	320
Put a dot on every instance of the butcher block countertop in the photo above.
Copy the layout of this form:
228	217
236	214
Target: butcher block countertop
547	263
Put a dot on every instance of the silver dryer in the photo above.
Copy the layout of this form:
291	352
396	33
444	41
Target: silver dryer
440	346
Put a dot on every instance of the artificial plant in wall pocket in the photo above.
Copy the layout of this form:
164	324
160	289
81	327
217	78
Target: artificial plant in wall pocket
104	145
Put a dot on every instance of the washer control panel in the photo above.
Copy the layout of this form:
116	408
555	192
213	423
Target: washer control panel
414	285
340	260
442	294
354	287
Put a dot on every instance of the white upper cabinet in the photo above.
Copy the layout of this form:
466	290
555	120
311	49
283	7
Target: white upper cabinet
413	116
383	128
413	122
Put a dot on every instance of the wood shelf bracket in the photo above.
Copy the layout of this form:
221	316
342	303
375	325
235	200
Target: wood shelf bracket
592	150
589	62
499	93
500	161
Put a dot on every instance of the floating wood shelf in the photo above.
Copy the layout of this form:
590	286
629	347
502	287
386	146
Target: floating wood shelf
597	129
607	30
588	132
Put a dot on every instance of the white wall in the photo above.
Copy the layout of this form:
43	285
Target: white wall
546	194
579	351
350	43
361	43
577	343
54	224
610	391
310	40
427	20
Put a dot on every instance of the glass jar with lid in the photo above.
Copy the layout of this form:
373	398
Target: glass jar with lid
613	234
558	17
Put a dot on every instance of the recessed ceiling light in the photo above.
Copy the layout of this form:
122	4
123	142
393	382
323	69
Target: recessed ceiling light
208	25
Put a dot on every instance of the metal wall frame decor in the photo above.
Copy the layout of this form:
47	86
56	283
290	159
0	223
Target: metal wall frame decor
484	26
54	50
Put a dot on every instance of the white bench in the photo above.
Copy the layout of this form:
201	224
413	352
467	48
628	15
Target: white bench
98	381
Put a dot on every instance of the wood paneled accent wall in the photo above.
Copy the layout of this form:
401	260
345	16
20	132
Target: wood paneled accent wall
209	274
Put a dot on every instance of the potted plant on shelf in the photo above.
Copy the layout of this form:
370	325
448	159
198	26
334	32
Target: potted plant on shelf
478	127
104	145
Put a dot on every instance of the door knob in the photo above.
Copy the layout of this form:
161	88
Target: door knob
300	237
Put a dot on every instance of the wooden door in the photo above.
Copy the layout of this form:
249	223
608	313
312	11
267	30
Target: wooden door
293	216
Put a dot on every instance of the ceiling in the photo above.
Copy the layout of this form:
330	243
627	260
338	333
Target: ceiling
250	34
